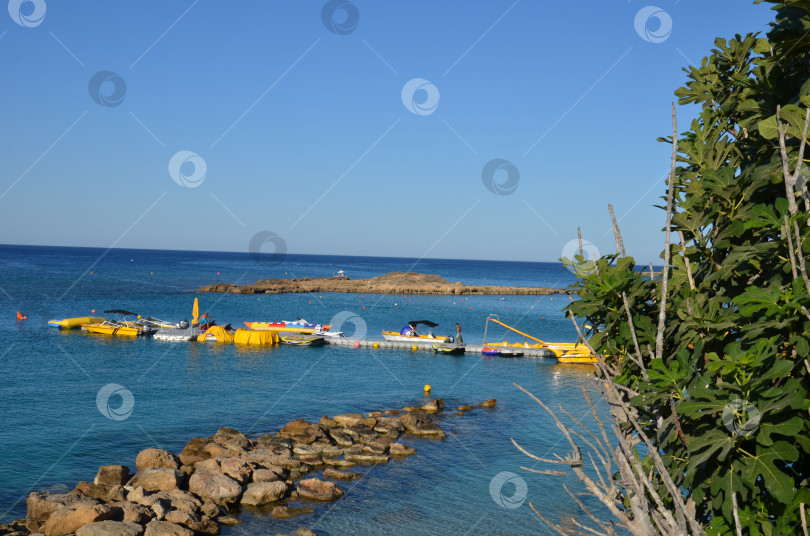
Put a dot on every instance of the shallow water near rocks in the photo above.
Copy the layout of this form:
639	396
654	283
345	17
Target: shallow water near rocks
54	431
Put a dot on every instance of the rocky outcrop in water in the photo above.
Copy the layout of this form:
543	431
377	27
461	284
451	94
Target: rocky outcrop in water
193	493
391	283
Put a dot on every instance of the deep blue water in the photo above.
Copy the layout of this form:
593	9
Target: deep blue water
53	434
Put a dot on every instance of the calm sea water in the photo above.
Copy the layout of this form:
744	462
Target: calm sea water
53	433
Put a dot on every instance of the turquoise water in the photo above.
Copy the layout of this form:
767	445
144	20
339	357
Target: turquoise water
54	433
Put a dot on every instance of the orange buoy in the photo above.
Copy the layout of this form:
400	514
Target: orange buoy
357	344
21	316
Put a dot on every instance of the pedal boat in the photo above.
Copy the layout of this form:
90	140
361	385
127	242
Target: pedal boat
285	326
302	340
75	323
410	334
448	350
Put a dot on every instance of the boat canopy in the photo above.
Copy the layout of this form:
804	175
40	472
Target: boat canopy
428	323
121	312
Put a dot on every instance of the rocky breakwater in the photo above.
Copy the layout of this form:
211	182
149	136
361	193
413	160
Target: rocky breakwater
391	283
202	488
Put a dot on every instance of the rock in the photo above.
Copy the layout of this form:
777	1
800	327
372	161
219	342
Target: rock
232	438
40	506
265	475
367	458
214	486
183	500
101	492
229	520
303	431
465	408
326	422
204	524
318	490
411	409
215	450
164	528
398	449
371	422
488	403
286	512
303	531
69	520
348	418
375	414
213	510
341	438
194	451
420	427
112	475
434	406
333	462
157	458
110	528
187	469
260	493
158	479
389	426
334	474
391	412
236	468
130	511
311	459
267	457
279	445
211	464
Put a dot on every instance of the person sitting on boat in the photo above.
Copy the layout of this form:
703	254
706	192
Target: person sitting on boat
205	322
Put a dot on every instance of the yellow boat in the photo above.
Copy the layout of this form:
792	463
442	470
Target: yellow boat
75	323
285	326
118	329
578	360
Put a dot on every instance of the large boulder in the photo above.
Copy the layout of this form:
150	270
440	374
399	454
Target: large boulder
131	511
367	458
215	486
165	528
69	520
341	438
398	449
348	418
259	493
434	406
318	490
111	528
40	506
157	458
303	432
194	451
101	492
421	427
266	475
158	479
236	468
232	438
112	475
183	500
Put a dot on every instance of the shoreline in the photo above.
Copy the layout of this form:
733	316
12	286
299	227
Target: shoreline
390	283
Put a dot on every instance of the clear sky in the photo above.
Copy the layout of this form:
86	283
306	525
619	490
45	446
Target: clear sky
356	128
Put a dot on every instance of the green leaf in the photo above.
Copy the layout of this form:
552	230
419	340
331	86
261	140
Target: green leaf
776	481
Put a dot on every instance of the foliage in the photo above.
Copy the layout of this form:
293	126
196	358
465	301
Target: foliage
726	402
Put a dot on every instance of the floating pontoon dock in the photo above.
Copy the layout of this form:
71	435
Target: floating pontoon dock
470	348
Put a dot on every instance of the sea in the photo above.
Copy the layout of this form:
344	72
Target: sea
72	401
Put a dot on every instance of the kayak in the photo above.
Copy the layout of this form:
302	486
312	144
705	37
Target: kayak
75	323
302	340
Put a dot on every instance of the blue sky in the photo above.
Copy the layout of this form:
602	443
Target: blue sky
302	129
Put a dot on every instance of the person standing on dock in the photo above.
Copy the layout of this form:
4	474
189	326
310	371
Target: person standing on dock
459	340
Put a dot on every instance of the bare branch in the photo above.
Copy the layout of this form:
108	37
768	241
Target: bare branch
736	514
791	253
659	337
617	234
